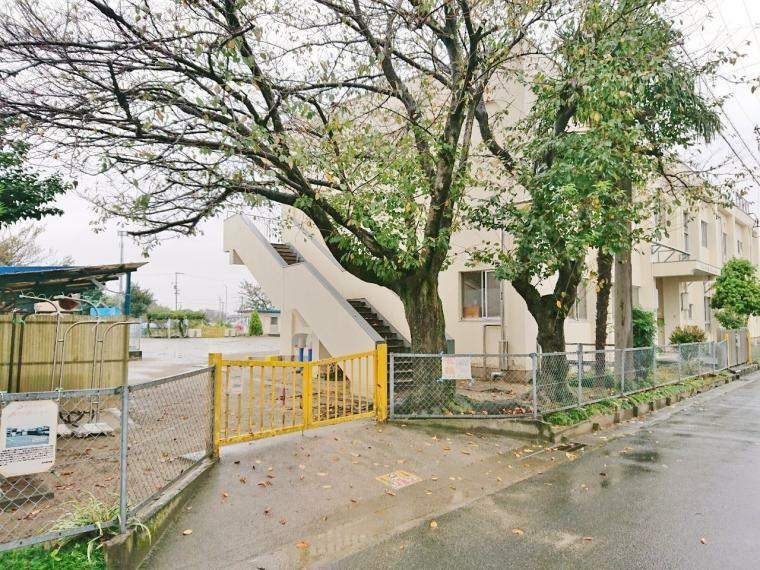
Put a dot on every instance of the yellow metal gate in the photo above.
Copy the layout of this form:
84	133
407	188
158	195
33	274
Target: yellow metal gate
254	399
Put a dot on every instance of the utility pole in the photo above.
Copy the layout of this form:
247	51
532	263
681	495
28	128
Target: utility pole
122	233
225	302
176	290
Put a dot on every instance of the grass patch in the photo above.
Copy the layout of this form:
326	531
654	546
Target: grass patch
612	405
73	556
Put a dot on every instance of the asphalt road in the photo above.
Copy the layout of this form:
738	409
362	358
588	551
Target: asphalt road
681	492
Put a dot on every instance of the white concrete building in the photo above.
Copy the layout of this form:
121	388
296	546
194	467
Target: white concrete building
336	313
329	310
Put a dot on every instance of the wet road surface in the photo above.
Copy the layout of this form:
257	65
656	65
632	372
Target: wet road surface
683	491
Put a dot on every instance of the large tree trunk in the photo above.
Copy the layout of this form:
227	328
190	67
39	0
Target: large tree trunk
550	312
424	313
623	284
427	393
603	289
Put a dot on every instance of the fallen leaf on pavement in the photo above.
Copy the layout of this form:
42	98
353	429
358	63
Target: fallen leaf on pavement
282	522
391	493
225	494
433	524
187	532
587	538
518	531
302	545
243	480
267	510
321	474
703	540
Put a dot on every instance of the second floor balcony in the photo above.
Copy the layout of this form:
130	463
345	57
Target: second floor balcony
671	262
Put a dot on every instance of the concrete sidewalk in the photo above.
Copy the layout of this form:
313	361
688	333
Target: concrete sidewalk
305	499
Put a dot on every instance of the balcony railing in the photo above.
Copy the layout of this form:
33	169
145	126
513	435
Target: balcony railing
662	253
744	205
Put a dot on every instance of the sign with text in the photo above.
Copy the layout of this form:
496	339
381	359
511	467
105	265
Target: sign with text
28	432
456	368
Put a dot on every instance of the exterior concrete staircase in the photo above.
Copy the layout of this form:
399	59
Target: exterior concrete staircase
287	253
397	344
294	284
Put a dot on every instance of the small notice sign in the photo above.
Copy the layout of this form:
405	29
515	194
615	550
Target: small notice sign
28	433
399	479
456	368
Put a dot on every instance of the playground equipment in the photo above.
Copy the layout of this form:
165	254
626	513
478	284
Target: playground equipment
91	414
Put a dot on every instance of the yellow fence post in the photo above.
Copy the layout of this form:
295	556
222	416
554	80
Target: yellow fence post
215	360
381	382
306	390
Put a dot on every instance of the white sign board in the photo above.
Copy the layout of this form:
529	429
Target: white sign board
456	368
28	432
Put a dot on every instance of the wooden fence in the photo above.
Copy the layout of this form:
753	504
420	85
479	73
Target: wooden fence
40	352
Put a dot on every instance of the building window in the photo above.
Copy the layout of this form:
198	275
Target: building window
635	295
703	225
273	321
480	295
579	310
739	247
708	312
686	232
724	245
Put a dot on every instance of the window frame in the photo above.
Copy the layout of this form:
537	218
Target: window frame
484	298
581	293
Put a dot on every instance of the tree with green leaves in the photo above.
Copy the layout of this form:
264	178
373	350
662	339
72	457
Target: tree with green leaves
736	295
141	300
612	107
356	112
255	328
24	194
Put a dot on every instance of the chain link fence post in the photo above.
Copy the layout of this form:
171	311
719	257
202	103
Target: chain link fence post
654	365
680	358
579	362
622	371
123	446
534	389
392	382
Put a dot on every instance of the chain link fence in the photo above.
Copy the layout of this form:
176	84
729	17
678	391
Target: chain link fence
116	449
509	385
494	385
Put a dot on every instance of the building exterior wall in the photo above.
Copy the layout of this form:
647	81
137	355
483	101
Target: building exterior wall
677	291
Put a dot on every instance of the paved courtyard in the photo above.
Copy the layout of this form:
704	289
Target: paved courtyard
164	357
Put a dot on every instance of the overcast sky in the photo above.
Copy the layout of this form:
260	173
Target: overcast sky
205	267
